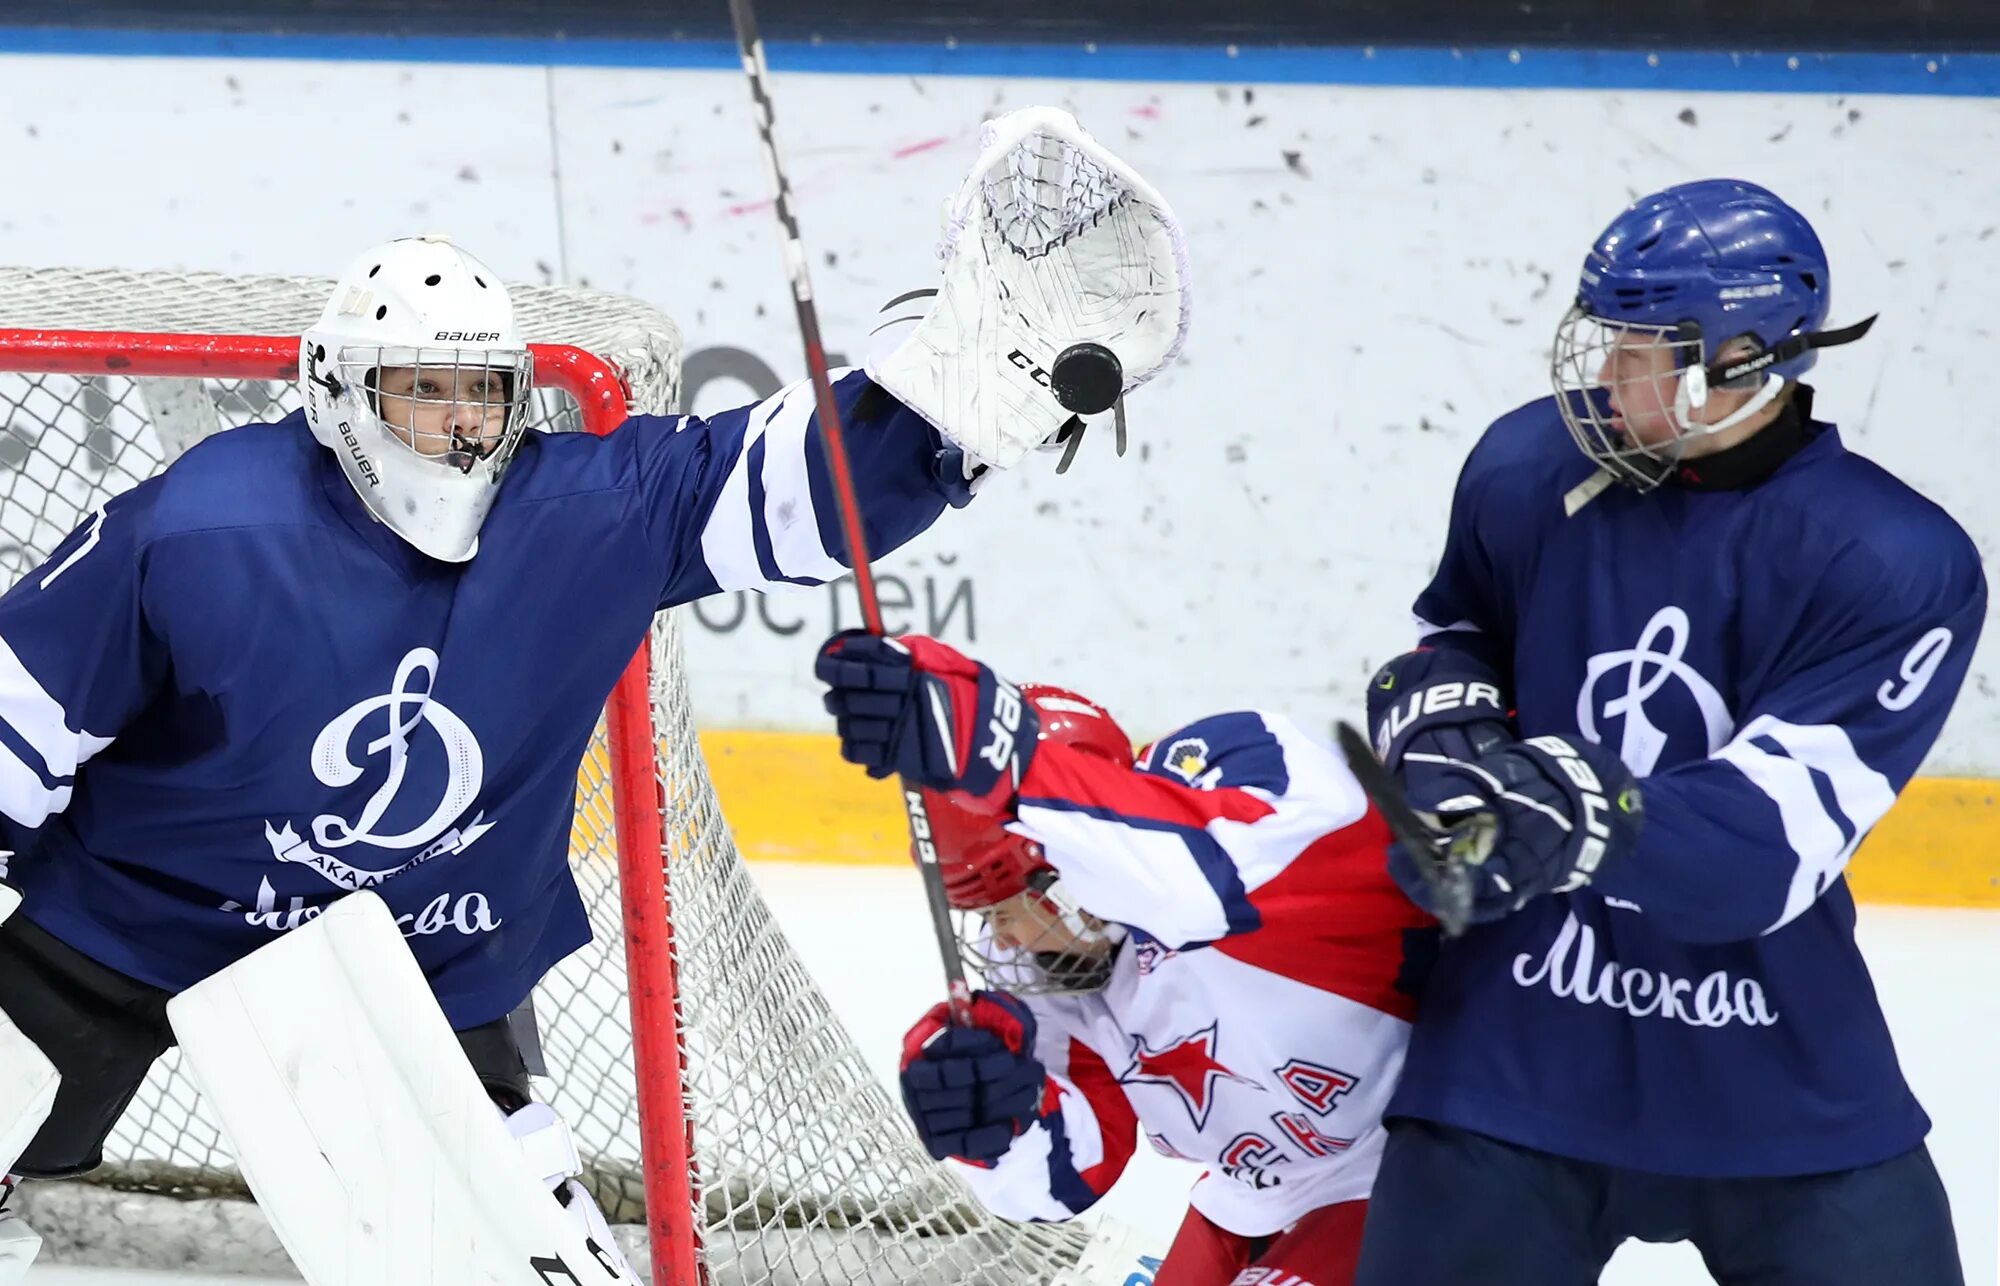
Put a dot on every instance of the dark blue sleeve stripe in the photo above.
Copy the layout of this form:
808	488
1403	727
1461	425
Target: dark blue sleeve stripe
28	755
826	509
760	529
1209	857
1066	1184
760	526
893	453
1822	788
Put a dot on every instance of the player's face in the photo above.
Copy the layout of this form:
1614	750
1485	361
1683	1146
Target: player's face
1640	378
455	413
1030	922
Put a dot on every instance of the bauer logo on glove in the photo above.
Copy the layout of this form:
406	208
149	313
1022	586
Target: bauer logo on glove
1002	727
1541	816
1593	810
927	713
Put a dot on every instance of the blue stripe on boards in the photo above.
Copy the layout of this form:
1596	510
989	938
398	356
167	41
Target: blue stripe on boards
1490	67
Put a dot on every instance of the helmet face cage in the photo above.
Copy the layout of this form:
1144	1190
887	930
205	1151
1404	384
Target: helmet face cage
1671	287
1081	966
459	407
1639	367
1000	884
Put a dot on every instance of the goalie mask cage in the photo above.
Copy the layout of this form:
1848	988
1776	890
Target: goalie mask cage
729	1127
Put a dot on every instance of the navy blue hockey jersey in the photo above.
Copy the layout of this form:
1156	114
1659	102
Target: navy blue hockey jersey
1775	662
231	697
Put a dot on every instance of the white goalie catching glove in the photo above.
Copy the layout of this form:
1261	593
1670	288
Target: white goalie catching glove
1050	243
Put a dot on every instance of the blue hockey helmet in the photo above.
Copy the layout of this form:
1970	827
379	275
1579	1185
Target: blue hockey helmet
1724	286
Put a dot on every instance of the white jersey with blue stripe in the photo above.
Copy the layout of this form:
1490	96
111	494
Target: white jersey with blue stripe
1256	1014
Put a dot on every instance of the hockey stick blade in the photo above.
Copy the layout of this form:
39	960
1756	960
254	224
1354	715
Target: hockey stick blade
1430	847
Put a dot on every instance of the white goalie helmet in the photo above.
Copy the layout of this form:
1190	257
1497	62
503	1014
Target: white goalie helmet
417	380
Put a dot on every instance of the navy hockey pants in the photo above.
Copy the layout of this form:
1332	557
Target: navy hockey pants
1452	1207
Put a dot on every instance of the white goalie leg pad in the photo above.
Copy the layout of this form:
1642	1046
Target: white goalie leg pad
550	1150
28	1082
27	1079
360	1126
19	1244
1051	241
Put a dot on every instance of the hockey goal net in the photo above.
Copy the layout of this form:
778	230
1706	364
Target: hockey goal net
688	1019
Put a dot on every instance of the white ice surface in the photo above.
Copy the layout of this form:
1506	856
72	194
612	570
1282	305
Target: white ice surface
864	934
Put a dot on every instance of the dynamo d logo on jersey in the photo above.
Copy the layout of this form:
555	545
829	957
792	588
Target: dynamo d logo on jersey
1618	685
398	726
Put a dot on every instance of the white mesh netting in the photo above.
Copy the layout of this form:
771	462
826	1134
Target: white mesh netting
805	1170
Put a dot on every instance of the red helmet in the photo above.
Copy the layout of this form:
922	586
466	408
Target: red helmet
982	863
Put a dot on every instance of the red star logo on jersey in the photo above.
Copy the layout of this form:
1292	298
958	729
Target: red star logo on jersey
1187	1065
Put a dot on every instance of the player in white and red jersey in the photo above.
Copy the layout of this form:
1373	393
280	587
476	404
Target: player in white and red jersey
1204	945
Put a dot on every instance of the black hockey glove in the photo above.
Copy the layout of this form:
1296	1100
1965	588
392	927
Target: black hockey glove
971	1090
1546	815
1433	707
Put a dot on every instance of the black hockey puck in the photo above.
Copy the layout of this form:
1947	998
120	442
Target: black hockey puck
1087	378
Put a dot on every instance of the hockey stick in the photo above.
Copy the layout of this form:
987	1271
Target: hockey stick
1431	847
751	45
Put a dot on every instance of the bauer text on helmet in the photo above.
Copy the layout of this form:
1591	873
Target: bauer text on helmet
417	380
